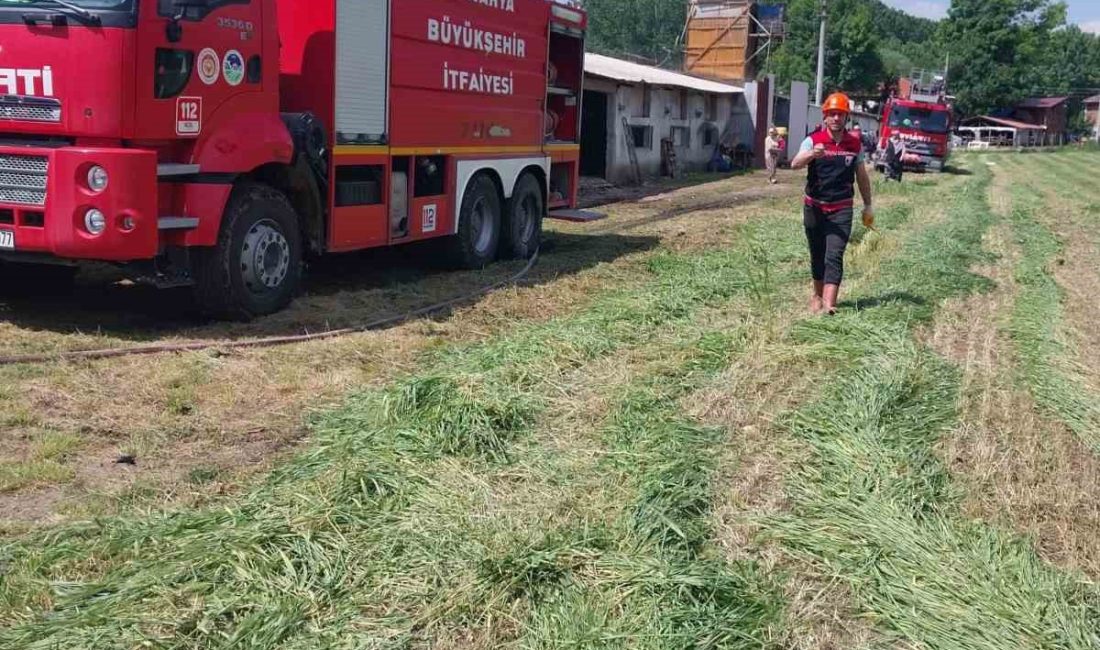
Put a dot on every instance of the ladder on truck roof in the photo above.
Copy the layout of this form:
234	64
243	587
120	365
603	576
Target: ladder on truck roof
927	87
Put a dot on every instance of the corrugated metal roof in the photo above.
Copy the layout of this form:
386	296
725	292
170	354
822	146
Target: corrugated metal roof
1042	102
1095	99
619	70
1016	124
720	8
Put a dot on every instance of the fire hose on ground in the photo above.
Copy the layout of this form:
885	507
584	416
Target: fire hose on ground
273	341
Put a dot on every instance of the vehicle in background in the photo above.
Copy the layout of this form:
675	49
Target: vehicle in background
920	113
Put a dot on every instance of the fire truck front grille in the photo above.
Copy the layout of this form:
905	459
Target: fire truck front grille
29	109
920	148
23	179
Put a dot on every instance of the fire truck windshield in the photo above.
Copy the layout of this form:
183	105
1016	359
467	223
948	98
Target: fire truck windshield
921	119
83	4
93	12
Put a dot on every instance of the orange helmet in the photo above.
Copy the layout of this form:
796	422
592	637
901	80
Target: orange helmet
837	102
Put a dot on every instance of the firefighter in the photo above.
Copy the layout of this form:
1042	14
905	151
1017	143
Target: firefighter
895	151
834	158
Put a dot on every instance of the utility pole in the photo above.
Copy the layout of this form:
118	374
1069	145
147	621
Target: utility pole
821	53
946	74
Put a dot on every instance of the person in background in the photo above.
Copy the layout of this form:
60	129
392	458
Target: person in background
771	153
895	150
834	158
864	138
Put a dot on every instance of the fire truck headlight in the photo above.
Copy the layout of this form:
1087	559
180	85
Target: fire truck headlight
97	178
94	221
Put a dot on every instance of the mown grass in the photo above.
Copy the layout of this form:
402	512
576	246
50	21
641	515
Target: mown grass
1037	324
876	507
441	511
654	579
388	531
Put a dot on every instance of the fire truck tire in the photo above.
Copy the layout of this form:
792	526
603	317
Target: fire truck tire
256	266
475	244
521	230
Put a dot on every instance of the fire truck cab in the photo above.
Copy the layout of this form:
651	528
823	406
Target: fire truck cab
219	143
921	115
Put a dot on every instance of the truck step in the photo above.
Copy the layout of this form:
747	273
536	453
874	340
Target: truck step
177	223
577	216
168	170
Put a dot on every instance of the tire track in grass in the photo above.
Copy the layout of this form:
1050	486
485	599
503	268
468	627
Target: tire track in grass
876	508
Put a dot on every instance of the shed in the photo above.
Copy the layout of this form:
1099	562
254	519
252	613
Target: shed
1050	112
1092	110
1000	131
627	103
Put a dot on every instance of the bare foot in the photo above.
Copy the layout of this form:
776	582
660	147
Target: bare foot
816	305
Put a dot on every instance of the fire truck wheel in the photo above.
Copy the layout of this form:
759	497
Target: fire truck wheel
256	266
522	224
475	244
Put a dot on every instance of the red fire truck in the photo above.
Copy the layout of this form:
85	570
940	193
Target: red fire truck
219	143
919	112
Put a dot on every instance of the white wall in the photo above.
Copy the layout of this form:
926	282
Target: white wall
751	90
627	100
799	126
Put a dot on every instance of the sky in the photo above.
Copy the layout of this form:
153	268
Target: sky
1085	13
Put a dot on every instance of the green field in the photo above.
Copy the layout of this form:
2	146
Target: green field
650	444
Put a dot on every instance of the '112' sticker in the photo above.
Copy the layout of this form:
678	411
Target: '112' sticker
188	115
427	218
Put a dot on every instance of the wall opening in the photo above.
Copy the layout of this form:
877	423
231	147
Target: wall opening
594	134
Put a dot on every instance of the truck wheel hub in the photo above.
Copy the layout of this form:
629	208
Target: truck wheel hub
528	215
482	225
266	259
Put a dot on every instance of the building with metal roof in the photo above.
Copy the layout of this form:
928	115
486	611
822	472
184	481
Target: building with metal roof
639	119
1002	132
1050	112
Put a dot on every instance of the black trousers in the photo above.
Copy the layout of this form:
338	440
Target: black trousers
827	234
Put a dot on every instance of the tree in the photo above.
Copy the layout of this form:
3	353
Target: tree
646	28
852	60
853	53
998	50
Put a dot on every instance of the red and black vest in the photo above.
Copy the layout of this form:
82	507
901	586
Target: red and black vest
830	184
